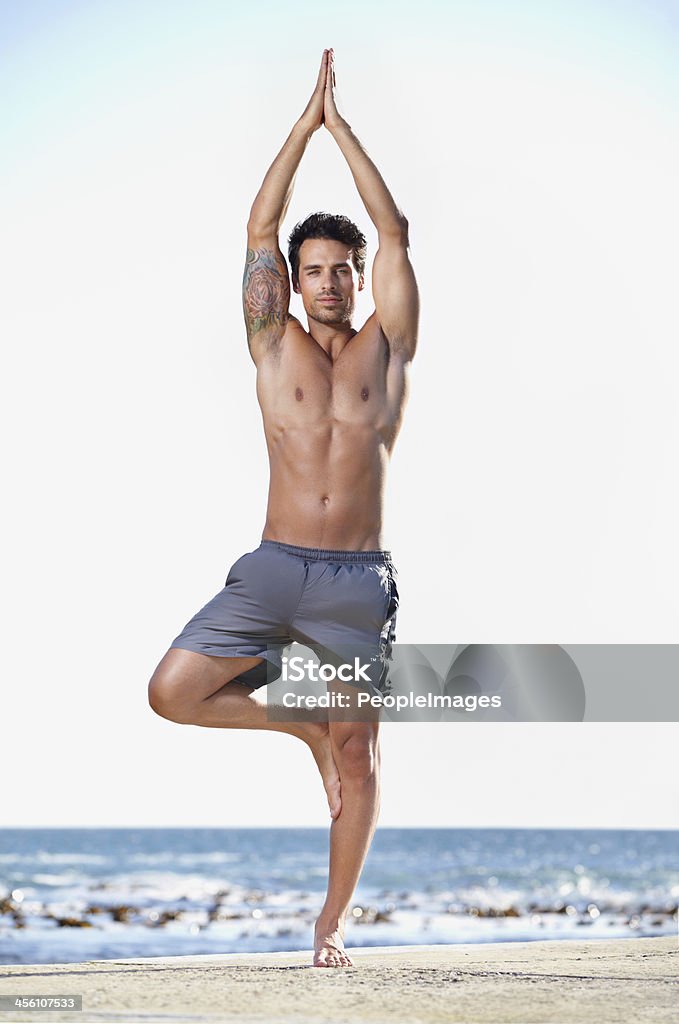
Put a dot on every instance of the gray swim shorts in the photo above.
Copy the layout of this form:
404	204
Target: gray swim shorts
335	601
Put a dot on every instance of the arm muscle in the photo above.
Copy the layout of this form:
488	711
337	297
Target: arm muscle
266	297
397	302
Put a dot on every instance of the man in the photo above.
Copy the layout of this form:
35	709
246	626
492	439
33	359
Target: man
332	400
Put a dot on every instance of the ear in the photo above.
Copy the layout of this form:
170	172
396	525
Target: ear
295	285
361	281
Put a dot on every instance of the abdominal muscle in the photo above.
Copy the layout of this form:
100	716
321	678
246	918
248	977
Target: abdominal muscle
326	485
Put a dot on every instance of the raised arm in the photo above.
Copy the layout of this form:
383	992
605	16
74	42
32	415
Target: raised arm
266	282
394	286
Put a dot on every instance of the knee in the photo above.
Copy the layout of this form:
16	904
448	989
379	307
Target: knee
165	697
357	758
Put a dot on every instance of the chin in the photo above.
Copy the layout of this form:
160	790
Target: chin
333	316
328	316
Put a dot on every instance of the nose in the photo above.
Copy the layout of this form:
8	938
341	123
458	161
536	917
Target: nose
328	283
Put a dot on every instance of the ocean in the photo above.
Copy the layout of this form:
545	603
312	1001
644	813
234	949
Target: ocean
68	895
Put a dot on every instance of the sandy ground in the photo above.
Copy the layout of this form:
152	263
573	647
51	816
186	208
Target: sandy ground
567	982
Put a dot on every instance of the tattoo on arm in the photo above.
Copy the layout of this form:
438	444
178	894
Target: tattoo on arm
266	292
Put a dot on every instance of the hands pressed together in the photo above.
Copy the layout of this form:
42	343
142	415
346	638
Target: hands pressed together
322	108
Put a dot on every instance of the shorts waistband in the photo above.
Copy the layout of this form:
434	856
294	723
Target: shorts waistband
324	555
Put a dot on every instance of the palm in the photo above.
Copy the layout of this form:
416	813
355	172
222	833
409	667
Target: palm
313	114
331	114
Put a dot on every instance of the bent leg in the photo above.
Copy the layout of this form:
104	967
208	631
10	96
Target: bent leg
200	689
356	751
191	688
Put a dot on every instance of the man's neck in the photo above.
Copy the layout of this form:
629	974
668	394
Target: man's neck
331	337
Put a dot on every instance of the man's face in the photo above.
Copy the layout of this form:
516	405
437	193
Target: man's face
327	280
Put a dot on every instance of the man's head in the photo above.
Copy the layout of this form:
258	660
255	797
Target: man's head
324	251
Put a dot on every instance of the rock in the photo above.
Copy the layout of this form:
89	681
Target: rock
122	913
169	915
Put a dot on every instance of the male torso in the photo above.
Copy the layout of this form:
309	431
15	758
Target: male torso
330	421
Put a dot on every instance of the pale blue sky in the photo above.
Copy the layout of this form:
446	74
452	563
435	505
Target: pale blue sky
533	496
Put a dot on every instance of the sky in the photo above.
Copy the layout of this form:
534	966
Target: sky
533	148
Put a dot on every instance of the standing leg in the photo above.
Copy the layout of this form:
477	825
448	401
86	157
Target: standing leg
355	747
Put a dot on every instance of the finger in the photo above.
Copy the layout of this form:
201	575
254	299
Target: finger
323	70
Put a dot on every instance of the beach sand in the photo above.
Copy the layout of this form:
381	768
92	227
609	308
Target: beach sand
566	982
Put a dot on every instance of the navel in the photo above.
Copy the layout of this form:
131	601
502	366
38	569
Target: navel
299	394
365	394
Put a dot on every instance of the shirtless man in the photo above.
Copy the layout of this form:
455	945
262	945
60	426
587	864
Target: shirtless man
332	400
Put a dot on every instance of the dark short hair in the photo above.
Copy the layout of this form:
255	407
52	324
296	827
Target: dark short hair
327	225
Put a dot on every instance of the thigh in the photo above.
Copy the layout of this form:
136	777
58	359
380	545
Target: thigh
182	674
249	615
349	604
348	611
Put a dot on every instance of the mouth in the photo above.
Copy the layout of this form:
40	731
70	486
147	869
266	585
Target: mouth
328	299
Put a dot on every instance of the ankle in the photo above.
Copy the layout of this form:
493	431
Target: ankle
331	922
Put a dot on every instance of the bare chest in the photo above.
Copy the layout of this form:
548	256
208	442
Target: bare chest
352	391
307	387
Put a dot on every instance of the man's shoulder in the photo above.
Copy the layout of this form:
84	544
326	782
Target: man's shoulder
372	328
374	333
292	333
295	326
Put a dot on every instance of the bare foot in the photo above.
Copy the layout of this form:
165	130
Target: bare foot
329	948
317	735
